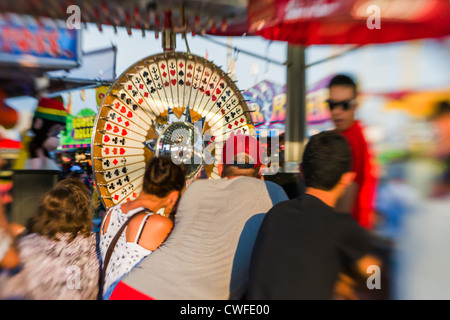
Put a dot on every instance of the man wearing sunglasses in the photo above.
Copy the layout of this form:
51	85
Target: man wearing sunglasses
359	197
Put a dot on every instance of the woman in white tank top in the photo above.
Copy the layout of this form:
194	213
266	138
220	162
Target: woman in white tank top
162	187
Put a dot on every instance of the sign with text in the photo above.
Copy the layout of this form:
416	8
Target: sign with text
42	43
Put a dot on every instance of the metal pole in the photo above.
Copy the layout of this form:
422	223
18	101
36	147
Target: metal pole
295	107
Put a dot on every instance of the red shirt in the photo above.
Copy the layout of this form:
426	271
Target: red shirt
365	175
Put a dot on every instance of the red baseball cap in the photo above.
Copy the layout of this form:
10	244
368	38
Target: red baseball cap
241	144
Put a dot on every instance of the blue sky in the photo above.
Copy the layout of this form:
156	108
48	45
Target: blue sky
133	48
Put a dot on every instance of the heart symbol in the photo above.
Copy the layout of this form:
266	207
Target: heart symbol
108	127
218	91
213	98
124	132
122	150
174	82
122	110
116	129
172	72
130	114
208	93
106	139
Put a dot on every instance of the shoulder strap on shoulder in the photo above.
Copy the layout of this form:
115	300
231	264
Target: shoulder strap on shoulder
112	246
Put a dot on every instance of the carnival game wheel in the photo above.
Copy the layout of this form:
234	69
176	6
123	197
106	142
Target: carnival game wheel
175	104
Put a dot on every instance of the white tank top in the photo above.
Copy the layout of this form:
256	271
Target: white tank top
126	254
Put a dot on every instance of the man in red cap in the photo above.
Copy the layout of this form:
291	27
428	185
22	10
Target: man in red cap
207	255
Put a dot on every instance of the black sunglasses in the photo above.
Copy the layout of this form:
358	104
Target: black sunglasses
346	104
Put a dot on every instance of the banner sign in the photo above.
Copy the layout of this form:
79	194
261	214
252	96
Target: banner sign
267	102
43	43
78	131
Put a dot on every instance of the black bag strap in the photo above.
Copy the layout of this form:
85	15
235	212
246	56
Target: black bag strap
112	245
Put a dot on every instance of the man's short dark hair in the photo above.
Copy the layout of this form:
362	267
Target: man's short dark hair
342	80
326	158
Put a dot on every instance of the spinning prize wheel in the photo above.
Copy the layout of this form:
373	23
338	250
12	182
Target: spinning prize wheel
174	104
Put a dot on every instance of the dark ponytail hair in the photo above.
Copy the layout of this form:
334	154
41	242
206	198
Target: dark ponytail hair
162	176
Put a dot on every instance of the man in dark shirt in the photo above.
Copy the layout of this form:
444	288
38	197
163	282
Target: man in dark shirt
303	244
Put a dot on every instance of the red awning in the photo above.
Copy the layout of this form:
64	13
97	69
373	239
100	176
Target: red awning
348	21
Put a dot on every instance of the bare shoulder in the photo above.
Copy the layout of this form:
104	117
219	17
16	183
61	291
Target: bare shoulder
155	229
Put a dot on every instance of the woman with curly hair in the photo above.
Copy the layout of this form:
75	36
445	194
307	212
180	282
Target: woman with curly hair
58	253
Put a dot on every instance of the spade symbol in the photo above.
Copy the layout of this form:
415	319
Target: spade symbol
122	96
181	73
181	82
145	74
117	172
